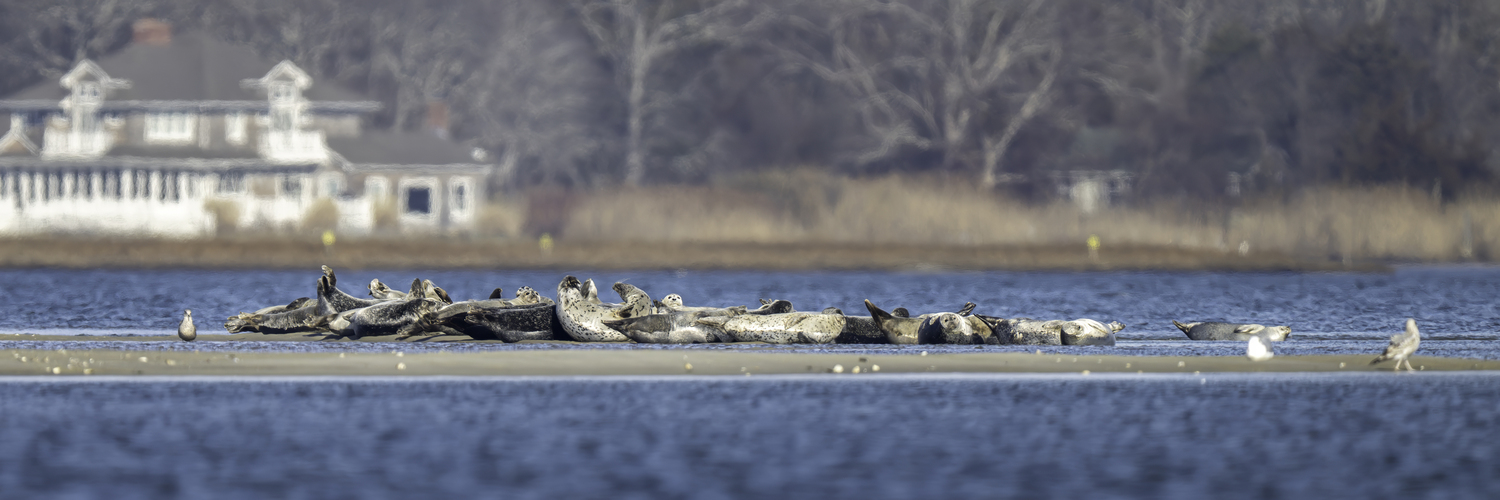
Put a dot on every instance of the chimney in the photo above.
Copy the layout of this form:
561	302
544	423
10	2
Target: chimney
151	31
437	118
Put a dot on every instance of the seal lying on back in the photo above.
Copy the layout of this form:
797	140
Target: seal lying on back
300	302
786	328
582	318
676	327
936	328
512	323
1211	330
403	318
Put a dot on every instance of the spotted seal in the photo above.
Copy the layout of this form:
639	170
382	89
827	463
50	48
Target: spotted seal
404	318
1402	346
1211	330
186	330
293	321
583	318
1026	331
636	302
675	327
785	328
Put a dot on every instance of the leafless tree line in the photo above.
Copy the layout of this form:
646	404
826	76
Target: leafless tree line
1182	94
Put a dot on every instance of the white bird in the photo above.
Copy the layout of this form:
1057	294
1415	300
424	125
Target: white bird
1259	348
186	330
1402	346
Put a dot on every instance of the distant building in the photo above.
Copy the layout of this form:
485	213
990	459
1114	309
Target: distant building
180	136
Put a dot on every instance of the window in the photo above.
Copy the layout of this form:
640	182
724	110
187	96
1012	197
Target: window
291	185
418	200
231	183
89	92
282	92
377	187
234	128
170	127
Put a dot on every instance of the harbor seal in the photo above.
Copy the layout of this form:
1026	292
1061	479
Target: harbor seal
300	302
1402	346
186	330
946	328
676	327
583	318
336	301
403	318
1026	331
934	328
785	328
635	302
380	291
509	323
1212	330
1090	332
297	320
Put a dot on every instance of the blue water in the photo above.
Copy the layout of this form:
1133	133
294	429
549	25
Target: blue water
1372	435
1449	302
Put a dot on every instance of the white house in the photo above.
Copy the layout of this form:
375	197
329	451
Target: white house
177	135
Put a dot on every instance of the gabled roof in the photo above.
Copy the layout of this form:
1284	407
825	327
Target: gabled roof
86	71
193	67
405	148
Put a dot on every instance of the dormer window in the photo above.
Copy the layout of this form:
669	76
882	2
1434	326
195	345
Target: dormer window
282	93
174	127
89	92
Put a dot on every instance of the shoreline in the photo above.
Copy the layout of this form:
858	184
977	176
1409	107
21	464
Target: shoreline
124	362
453	253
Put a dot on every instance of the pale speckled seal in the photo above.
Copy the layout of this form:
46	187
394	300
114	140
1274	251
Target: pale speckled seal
582	318
1026	331
785	328
1090	332
636	302
1212	330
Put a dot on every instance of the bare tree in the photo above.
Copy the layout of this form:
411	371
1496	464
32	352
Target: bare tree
58	34
921	72
640	36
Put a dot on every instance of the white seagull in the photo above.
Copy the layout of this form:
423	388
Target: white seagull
1402	346
1259	347
186	330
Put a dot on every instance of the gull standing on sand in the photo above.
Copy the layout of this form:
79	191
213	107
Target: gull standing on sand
1402	346
186	330
1259	347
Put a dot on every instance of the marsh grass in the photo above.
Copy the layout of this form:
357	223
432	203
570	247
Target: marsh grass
1386	223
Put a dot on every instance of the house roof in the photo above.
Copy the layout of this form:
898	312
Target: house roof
193	67
407	148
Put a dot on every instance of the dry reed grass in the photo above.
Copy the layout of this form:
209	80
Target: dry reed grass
1385	223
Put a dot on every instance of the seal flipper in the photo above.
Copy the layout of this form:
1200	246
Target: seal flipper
443	295
1248	329
496	294
967	309
328	272
878	314
1182	327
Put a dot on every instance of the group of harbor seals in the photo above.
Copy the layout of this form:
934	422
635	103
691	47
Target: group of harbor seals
579	315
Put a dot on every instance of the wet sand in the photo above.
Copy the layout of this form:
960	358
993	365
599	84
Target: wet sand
458	253
742	361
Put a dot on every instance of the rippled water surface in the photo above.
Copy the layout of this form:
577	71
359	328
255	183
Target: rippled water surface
1449	302
1381	435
